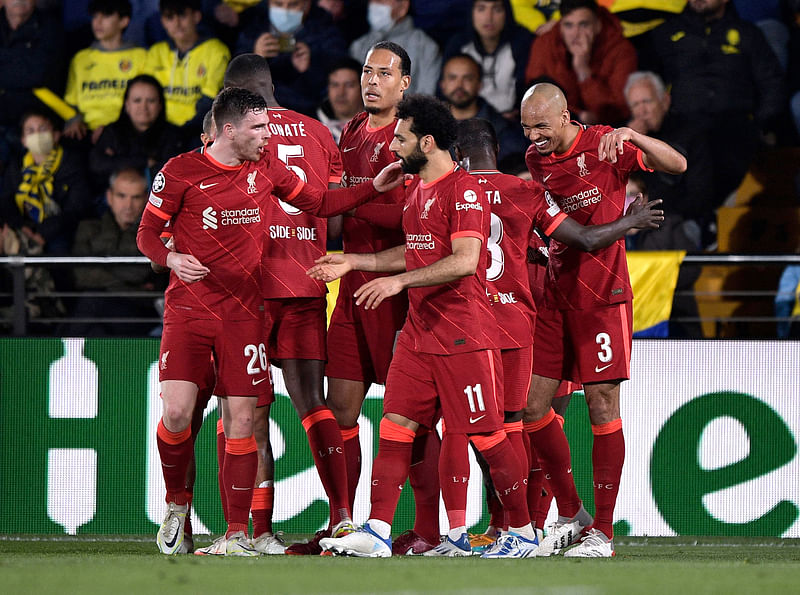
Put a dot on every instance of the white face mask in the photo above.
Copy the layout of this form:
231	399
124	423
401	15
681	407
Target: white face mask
379	16
285	21
40	143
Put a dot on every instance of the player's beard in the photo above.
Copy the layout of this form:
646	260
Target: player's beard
414	163
371	109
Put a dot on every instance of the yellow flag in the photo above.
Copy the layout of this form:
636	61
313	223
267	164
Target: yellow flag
653	278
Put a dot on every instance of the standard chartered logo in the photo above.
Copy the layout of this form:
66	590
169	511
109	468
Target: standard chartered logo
209	218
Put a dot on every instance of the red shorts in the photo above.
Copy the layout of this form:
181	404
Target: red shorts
467	386
517	366
295	328
585	346
267	396
360	342
239	354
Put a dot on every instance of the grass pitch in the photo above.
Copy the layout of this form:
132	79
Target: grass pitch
103	564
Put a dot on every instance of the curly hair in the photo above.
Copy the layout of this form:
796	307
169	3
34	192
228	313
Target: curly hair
428	116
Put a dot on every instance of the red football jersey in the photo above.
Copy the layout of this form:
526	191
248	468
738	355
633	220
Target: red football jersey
296	239
217	214
516	206
365	151
455	317
592	192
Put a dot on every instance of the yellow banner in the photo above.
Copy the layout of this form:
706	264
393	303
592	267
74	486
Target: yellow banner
653	278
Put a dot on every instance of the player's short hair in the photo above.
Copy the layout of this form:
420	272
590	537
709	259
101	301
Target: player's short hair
130	173
429	116
177	7
233	104
246	68
476	135
397	50
207	120
467	57
567	6
109	7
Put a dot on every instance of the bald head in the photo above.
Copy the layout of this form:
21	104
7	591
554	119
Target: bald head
545	119
545	96
251	72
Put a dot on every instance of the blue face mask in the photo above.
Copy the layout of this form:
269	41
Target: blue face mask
285	21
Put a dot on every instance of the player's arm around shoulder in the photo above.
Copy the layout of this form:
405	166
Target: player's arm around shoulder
656	154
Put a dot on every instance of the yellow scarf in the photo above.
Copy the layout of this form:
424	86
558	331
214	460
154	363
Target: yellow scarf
35	192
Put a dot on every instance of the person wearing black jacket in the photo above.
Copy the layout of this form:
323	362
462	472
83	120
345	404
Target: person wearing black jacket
725	80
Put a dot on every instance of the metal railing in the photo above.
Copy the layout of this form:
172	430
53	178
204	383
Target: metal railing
19	322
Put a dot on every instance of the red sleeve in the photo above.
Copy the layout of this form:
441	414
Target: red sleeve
166	197
385	215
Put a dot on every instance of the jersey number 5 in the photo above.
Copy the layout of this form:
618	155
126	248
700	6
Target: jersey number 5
284	153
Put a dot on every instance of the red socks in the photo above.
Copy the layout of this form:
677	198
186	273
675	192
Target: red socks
175	450
325	440
239	474
352	456
454	477
390	469
548	439
507	475
424	479
261	510
608	455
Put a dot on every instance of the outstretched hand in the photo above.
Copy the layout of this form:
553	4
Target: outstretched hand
643	214
389	177
372	293
330	267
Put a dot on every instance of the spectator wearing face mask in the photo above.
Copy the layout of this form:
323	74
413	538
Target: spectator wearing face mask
301	43
45	193
389	20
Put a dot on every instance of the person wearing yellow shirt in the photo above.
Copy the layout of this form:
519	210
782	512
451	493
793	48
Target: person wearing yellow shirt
99	74
189	67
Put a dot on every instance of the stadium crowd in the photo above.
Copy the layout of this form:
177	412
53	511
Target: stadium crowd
559	114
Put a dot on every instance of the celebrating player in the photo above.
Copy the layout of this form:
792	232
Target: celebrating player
446	355
585	169
213	302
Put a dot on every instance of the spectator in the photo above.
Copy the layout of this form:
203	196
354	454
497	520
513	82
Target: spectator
724	80
114	234
687	197
460	87
31	57
189	67
588	57
389	20
45	193
793	10
501	47
141	137
300	42
350	17
98	74
344	97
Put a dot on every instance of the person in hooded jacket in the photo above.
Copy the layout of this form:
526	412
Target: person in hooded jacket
501	47
589	58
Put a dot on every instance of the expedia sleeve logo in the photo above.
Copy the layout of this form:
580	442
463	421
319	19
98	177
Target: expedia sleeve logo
471	199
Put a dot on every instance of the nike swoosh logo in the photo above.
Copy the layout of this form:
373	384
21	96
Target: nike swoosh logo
598	369
240	489
170	544
257	382
348	149
204	186
472	421
547	177
569	470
